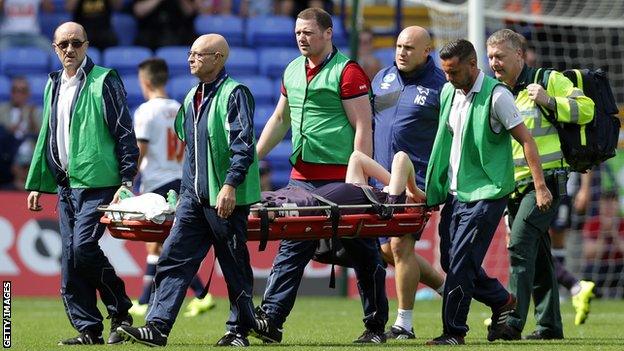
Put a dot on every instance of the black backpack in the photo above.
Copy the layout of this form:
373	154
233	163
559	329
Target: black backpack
585	146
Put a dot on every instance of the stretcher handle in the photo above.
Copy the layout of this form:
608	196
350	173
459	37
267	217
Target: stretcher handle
316	208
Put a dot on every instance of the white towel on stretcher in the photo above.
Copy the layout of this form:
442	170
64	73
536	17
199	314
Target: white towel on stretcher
151	206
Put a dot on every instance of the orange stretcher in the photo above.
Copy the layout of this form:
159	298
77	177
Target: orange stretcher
263	229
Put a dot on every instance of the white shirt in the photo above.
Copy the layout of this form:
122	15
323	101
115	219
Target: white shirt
20	16
503	114
67	91
153	123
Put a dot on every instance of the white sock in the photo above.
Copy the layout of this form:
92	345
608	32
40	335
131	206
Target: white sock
575	289
404	319
440	289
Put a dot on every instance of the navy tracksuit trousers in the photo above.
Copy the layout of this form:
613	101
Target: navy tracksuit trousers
292	258
466	231
197	227
85	269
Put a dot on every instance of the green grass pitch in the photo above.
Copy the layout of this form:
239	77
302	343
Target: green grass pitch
323	324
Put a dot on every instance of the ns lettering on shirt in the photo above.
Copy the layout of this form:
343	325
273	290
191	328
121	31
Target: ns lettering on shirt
154	124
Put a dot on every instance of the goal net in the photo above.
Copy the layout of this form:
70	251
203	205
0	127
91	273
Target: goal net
562	35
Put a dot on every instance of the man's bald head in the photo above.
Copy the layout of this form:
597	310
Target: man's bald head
70	45
70	28
412	48
208	55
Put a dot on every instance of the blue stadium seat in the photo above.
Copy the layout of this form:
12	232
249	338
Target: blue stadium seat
133	90
385	55
273	61
125	27
277	89
5	88
271	31
231	27
261	116
176	58
49	21
280	166
92	52
179	86
125	59
242	61
261	88
18	61
37	84
340	37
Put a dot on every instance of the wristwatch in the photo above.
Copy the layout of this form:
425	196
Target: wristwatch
127	184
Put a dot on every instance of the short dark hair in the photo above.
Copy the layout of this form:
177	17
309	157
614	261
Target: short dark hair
156	70
460	48
320	16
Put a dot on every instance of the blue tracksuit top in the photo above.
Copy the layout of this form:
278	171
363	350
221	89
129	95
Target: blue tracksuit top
405	115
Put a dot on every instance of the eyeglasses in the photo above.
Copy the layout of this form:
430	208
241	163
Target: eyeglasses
76	44
201	54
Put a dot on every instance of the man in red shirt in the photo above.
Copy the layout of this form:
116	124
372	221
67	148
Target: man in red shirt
325	101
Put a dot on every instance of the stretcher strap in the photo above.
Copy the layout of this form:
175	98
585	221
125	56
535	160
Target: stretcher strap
264	228
382	210
207	287
334	216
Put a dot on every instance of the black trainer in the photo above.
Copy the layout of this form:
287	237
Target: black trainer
498	328
542	335
116	322
233	339
86	337
447	339
371	337
400	333
147	335
265	329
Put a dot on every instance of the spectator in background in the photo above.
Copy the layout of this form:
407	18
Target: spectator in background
18	116
603	245
20	25
370	64
165	22
95	17
218	7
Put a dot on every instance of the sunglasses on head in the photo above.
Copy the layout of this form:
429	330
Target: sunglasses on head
76	44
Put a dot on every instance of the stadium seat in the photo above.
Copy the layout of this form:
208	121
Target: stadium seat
242	61
93	53
37	84
261	88
5	88
280	166
125	27
176	58
271	31
19	61
179	86
49	21
385	55
133	90
340	37
231	27
261	116
272	61
125	59
277	89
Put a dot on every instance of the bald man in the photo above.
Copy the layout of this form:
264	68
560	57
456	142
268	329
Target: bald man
220	179
405	111
86	162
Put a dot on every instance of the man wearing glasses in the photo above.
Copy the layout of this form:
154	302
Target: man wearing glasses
86	153
220	179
